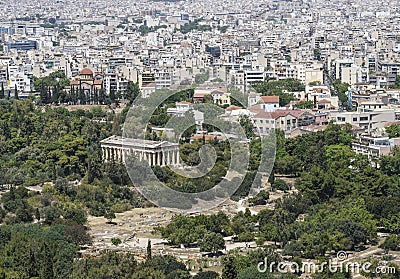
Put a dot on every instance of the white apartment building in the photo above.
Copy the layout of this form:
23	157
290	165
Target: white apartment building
180	109
374	147
370	120
346	71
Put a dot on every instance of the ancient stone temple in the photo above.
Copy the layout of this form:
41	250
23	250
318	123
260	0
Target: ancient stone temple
156	153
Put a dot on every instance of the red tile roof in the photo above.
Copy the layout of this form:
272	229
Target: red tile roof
184	103
270	99
232	107
86	71
324	101
200	95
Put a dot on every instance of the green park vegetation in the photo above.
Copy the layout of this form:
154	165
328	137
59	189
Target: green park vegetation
144	29
304	105
393	131
341	91
341	201
194	25
52	89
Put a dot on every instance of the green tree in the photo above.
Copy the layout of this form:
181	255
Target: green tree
16	97
339	156
304	105
74	213
149	249
391	243
2	95
247	125
109	215
253	273
317	54
133	91
341	91
293	249
260	199
280	184
228	268
393	131
212	242
116	241
51	213
206	275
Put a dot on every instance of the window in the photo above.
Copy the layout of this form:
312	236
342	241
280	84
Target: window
354	119
364	118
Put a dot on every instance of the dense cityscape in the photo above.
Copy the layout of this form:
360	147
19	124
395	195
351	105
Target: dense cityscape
184	139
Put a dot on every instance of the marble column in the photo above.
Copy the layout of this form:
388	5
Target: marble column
148	156
162	158
159	162
173	158
178	158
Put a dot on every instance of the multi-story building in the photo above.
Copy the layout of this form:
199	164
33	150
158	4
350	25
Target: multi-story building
368	119
374	147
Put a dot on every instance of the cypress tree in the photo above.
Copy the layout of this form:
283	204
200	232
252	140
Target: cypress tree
149	249
49	94
96	97
229	269
16	97
112	95
2	96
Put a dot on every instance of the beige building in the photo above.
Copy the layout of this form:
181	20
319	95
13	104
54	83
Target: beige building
314	76
284	120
